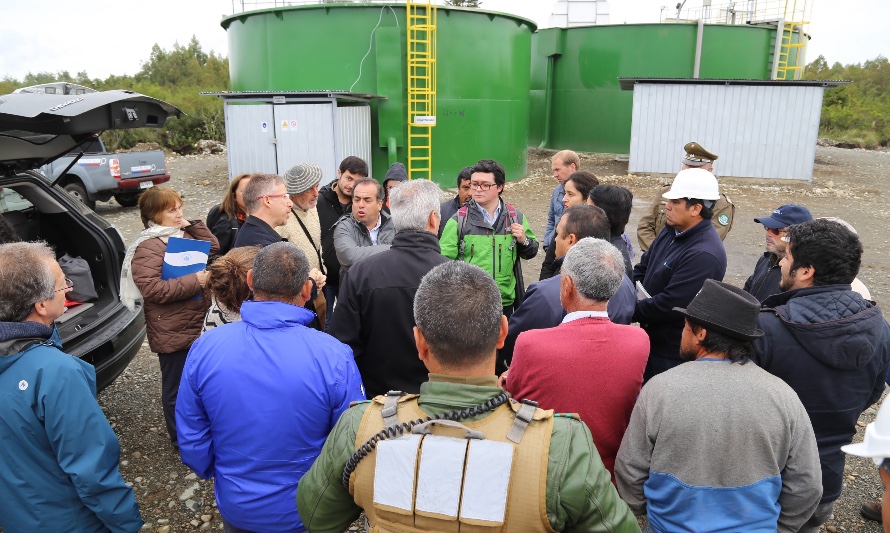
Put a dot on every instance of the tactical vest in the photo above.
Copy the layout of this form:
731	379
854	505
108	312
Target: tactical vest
454	480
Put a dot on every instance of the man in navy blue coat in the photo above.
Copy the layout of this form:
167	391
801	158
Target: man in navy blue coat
672	271
541	307
820	336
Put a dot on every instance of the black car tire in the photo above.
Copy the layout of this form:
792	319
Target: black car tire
80	194
128	199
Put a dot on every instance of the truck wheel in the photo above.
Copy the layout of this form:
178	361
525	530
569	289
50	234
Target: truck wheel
127	200
80	194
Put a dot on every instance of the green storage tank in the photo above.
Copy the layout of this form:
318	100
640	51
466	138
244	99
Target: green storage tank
483	65
588	110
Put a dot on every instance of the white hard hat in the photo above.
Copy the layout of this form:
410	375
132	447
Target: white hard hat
695	183
877	437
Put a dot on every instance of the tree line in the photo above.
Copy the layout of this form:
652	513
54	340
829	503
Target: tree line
856	114
177	76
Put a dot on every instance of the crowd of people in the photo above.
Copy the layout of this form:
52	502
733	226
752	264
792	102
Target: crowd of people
363	347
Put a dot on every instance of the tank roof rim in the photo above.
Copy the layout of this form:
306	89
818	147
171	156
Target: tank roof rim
228	19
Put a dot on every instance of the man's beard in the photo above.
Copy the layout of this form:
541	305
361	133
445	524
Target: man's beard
688	354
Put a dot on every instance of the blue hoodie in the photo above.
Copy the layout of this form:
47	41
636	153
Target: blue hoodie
59	470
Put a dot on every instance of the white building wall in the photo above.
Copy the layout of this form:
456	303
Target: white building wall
756	131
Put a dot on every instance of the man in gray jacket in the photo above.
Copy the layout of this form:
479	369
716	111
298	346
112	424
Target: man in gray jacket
717	443
368	230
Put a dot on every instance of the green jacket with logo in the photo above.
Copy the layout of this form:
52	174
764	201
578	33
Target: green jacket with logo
579	491
491	248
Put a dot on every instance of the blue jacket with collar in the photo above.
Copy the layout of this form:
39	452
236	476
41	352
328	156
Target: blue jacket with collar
825	339
256	402
672	271
554	213
59	470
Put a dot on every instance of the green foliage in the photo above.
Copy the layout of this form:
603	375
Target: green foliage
177	76
856	114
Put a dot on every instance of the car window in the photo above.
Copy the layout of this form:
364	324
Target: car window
12	201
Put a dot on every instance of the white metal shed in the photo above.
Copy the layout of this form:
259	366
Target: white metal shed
269	132
757	128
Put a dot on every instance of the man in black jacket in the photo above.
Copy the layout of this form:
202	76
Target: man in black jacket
268	206
825	341
375	315
764	282
450	207
334	201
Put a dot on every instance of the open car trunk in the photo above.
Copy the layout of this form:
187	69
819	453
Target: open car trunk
102	332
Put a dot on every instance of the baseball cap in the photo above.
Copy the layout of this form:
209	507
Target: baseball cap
786	215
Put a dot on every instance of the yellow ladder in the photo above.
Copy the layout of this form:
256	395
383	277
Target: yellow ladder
791	61
421	86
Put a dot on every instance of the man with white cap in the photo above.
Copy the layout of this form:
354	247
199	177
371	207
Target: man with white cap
653	220
671	272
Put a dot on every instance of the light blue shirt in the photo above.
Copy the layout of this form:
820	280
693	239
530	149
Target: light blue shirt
375	230
490	219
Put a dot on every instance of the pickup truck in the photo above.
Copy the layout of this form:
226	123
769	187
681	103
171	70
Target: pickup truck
99	175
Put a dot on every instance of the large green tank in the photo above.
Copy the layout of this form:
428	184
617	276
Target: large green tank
483	61
588	110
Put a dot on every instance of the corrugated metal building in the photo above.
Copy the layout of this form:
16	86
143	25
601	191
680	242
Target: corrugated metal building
757	128
270	132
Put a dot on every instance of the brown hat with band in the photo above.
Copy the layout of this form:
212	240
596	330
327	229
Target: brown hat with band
725	309
697	156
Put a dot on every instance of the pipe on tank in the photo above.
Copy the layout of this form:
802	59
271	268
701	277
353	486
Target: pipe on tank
698	41
391	151
548	101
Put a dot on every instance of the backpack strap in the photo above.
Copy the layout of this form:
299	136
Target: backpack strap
461	222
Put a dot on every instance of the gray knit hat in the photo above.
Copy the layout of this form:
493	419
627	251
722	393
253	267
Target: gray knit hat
396	172
300	178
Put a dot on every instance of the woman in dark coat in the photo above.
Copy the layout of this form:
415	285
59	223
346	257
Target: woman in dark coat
225	219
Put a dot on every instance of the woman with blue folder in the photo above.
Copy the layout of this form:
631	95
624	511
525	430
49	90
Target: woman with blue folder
165	269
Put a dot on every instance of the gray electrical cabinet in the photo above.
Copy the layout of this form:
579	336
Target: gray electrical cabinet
269	132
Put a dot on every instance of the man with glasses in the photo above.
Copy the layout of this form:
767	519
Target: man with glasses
491	233
268	206
764	282
60	466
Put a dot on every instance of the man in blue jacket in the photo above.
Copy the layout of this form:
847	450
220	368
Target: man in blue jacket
258	397
821	336
59	470
672	271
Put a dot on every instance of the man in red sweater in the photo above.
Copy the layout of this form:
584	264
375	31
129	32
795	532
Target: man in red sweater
588	364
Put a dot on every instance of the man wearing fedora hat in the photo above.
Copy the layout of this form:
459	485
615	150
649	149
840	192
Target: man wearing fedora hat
716	443
764	282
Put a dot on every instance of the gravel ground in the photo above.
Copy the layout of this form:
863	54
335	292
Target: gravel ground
848	183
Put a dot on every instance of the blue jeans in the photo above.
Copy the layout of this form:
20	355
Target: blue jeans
330	294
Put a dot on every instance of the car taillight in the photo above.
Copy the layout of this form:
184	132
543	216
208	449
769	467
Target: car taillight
114	166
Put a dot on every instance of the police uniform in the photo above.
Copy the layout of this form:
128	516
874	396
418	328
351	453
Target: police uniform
653	221
486	476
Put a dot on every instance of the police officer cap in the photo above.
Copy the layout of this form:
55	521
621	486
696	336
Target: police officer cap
696	156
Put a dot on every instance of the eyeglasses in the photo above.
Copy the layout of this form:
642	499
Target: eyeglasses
780	231
481	186
283	195
68	286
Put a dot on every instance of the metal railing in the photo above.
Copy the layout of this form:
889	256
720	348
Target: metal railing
740	12
240	6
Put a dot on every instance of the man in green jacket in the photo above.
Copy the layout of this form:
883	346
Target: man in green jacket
491	234
577	493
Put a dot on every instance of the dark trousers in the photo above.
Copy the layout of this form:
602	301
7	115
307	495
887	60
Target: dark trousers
330	294
171	373
501	363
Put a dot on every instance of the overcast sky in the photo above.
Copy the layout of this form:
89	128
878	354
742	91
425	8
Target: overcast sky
104	37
